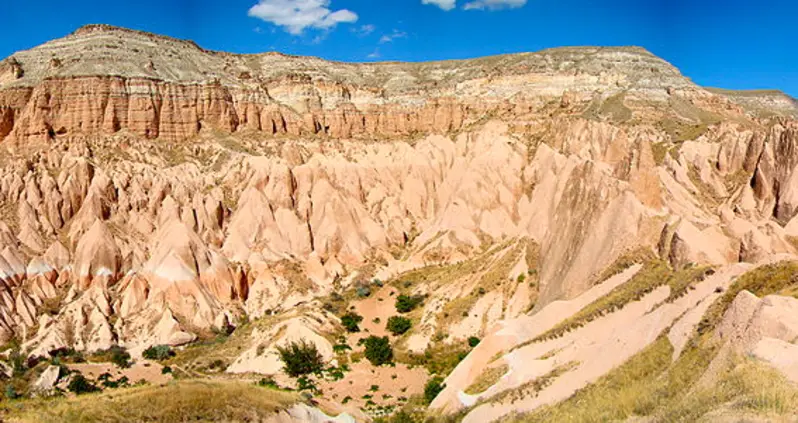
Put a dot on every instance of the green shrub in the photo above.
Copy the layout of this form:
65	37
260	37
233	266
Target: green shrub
402	416
268	382
378	350
80	385
158	352
17	363
473	341
363	291
116	355
165	370
433	388
301	358
351	321
305	383
406	303
11	393
398	325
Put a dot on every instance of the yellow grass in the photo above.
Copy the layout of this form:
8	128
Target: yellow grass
650	385
654	274
486	379
179	401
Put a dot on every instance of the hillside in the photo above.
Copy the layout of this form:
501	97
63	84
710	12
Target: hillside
530	234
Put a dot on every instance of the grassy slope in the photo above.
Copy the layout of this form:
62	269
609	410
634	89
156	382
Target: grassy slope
179	401
650	384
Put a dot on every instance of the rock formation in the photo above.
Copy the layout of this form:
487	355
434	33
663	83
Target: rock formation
153	192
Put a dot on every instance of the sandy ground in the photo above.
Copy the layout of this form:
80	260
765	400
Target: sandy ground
143	369
381	304
392	383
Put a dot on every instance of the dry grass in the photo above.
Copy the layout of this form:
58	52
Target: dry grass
612	108
655	273
648	384
189	400
776	278
534	386
627	260
621	393
486	379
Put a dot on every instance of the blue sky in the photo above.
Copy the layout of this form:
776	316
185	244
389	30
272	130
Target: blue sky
725	43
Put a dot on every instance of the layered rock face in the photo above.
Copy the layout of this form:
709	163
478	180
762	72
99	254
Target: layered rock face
152	191
103	80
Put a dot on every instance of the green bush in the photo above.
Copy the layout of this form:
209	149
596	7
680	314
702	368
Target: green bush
107	381
165	370
473	341
301	358
363	291
378	350
268	382
158	352
81	385
351	321
120	357
433	388
116	355
406	303
398	325
11	393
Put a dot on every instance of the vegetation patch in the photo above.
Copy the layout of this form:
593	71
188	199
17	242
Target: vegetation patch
178	401
776	278
407	303
158	352
433	387
398	325
439	359
533	387
301	358
378	350
351	322
486	379
655	273
116	355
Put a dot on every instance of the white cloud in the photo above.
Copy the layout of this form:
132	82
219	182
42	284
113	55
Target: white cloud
443	4
387	38
296	15
364	30
493	4
375	54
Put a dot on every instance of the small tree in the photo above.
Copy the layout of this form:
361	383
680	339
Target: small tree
351	321
116	354
406	303
398	325
301	358
81	385
158	352
433	388
378	350
473	341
